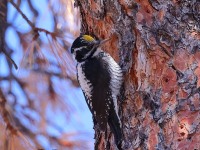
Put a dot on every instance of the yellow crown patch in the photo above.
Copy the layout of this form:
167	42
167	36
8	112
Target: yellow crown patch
88	38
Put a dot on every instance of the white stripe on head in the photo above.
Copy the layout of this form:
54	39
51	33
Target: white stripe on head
78	49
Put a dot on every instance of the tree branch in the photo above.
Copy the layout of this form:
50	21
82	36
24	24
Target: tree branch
23	15
3	14
34	28
6	113
9	58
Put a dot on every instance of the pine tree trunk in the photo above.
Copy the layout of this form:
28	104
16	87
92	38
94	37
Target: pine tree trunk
157	44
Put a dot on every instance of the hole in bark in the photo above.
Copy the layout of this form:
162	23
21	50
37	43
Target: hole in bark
166	79
171	92
179	140
102	36
181	126
148	11
182	133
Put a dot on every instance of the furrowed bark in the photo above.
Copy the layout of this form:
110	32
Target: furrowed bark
157	43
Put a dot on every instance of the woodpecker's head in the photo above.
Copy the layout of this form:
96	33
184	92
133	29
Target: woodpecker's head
84	47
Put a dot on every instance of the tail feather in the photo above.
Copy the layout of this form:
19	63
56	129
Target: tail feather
115	126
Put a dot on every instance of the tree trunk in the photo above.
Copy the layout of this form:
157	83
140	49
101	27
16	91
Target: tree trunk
157	44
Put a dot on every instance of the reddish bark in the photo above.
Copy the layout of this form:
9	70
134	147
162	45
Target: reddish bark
158	46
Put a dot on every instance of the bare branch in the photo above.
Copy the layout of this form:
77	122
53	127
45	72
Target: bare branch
35	29
6	113
3	14
23	15
9	58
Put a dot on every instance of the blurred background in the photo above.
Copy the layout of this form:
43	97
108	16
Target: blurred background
42	105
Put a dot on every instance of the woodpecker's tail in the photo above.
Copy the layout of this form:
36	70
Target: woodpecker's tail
115	126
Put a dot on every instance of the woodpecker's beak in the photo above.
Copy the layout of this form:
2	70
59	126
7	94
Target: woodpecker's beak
103	41
99	43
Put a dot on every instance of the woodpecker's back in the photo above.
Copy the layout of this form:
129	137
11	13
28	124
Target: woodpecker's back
100	78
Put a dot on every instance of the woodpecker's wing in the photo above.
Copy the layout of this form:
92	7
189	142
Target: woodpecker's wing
94	80
99	86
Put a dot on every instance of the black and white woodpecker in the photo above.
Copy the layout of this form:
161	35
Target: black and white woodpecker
100	78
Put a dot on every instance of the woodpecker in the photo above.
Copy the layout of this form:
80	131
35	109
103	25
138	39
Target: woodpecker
100	78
